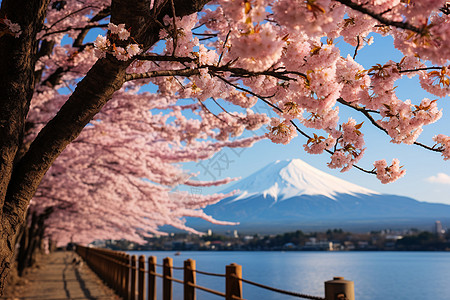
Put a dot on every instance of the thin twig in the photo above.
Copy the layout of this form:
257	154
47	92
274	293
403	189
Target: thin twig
421	69
160	8
357	46
223	48
78	42
226	111
206	34
358	108
175	29
245	73
75	28
204	106
156	57
69	15
262	98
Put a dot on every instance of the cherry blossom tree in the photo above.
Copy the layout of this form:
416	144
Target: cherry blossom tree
118	178
55	81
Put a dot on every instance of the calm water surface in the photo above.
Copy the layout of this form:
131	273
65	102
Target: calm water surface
377	275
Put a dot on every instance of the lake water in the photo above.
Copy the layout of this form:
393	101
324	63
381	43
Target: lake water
377	275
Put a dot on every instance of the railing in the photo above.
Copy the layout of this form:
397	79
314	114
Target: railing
127	276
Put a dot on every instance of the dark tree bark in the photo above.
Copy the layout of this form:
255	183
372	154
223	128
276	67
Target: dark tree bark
21	173
31	239
16	89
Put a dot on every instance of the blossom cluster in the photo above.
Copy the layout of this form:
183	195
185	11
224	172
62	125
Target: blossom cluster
103	44
9	28
281	132
387	174
318	144
351	148
126	143
444	141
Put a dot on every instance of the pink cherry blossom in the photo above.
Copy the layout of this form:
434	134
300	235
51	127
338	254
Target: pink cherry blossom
445	144
387	174
281	132
13	27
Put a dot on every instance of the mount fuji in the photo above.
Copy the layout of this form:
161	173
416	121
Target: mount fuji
290	195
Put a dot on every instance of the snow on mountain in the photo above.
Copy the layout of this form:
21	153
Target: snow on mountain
288	195
289	178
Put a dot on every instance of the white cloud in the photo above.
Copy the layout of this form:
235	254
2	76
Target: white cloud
439	178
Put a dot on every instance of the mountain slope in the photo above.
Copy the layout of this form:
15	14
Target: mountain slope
292	194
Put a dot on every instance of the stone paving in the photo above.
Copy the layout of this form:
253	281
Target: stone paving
63	275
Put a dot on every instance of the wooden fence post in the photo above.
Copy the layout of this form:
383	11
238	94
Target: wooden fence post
127	277
189	279
133	278
116	267
152	278
339	289
167	279
233	286
141	278
120	272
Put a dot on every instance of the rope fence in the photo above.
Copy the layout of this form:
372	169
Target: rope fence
208	273
280	291
135	278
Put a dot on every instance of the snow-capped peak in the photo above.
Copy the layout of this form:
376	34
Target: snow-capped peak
289	178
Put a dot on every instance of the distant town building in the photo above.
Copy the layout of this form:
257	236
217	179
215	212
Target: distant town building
348	245
233	233
314	244
248	238
438	228
394	237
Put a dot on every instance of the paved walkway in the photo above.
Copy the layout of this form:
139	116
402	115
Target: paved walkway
59	277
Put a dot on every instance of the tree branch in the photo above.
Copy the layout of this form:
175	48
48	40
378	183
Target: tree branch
212	69
358	39
207	109
99	16
245	73
87	27
151	74
374	122
224	110
68	16
379	17
421	69
155	57
262	98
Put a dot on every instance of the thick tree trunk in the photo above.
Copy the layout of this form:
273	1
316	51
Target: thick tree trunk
86	101
17	61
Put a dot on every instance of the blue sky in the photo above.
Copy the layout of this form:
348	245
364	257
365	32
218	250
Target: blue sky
422	180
